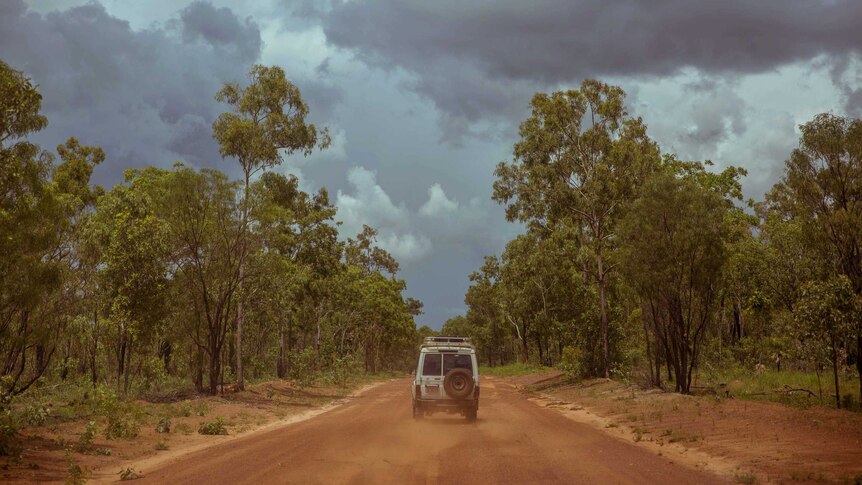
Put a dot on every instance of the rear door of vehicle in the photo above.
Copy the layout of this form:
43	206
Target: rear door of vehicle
432	376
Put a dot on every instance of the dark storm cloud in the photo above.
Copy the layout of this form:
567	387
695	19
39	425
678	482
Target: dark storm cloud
145	96
219	26
563	41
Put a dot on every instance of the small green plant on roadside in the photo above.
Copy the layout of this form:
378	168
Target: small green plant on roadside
201	408
164	425
216	427
36	414
9	444
85	441
746	478
75	474
161	445
185	409
121	427
130	473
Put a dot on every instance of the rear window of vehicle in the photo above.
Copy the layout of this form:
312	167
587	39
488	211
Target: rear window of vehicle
431	367
457	361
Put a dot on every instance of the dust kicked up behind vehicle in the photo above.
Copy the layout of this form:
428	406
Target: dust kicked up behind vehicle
446	378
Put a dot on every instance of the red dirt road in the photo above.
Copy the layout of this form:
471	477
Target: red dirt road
374	439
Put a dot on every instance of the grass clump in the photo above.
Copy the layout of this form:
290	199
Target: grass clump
216	427
746	478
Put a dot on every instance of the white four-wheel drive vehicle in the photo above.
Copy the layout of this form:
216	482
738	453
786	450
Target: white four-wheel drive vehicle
446	378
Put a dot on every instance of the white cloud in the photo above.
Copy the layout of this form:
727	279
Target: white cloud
369	204
438	204
405	247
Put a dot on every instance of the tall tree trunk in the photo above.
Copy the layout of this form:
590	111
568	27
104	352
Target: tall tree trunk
280	370
240	307
835	373
604	315
127	366
859	363
121	357
95	350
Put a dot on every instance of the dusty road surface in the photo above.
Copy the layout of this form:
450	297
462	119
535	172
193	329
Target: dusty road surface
374	439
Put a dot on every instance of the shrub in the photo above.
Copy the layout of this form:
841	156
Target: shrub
75	474
85	441
161	445
572	362
153	372
36	414
303	366
185	409
216	427
121	427
164	425
9	444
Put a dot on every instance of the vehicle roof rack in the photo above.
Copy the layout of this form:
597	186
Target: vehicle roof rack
447	341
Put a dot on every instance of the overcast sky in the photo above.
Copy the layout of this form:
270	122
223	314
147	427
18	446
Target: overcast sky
424	97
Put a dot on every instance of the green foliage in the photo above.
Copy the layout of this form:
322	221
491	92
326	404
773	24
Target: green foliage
75	474
9	444
164	425
216	427
572	362
121	427
85	440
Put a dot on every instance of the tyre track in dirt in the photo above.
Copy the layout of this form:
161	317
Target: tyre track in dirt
373	439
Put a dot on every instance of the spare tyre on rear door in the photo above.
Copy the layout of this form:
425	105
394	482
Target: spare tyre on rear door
458	383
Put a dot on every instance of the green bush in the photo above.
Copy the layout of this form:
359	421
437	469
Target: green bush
572	362
85	441
303	366
75	474
9	444
216	427
164	425
121	426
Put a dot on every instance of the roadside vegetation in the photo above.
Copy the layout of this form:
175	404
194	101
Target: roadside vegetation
638	266
121	307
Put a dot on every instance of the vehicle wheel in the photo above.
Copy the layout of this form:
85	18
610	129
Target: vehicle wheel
471	414
458	383
417	412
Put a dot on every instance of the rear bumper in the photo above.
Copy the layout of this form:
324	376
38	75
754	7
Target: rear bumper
446	403
472	403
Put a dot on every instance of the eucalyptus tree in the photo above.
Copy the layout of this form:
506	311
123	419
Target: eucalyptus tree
579	161
205	234
675	248
827	314
267	122
299	242
30	214
133	247
822	190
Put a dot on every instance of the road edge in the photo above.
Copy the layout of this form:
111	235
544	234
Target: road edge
148	463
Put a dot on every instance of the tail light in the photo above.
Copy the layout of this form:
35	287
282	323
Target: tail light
418	391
